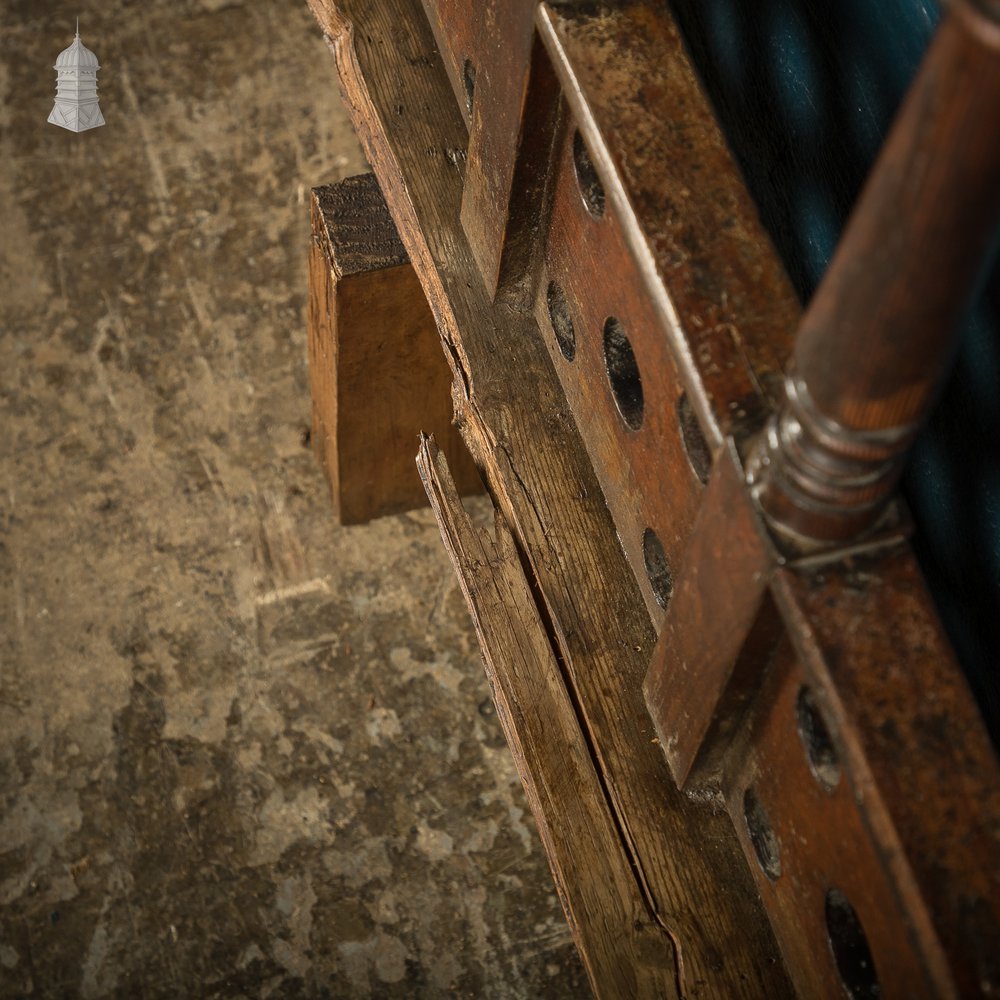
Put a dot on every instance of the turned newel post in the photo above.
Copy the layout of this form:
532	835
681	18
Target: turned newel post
874	345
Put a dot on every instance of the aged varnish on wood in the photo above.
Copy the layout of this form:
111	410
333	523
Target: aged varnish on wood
754	761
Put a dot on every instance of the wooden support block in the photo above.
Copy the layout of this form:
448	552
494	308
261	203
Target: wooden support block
377	371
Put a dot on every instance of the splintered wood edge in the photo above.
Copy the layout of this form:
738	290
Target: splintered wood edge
339	36
550	752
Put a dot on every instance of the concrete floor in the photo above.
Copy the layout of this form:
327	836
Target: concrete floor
243	752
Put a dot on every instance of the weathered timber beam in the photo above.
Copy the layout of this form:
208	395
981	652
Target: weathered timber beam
842	734
625	952
673	251
862	902
875	682
701	305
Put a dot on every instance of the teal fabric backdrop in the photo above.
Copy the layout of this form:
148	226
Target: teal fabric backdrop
805	92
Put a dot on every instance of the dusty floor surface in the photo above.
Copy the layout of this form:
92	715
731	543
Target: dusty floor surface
243	752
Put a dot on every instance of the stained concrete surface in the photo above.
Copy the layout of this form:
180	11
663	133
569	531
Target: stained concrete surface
243	752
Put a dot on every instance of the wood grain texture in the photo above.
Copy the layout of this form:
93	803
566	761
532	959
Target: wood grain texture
916	754
678	257
453	23
705	669
514	117
376	370
685	855
626	954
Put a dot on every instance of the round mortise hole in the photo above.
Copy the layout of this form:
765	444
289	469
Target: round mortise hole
762	835
820	751
586	176
469	82
850	948
623	373
657	567
695	445
562	322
